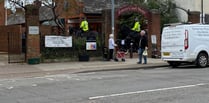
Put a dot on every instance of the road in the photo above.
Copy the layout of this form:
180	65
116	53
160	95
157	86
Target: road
157	85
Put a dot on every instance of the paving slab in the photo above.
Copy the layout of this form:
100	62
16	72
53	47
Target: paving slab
26	70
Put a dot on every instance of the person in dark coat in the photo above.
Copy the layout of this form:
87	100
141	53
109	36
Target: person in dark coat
143	45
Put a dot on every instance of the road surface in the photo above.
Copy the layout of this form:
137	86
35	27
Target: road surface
157	85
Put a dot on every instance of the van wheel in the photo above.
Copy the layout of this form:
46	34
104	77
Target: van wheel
174	64
202	60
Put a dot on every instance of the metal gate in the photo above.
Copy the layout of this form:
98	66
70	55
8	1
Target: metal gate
16	47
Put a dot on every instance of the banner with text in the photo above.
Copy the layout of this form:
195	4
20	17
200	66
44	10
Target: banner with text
58	41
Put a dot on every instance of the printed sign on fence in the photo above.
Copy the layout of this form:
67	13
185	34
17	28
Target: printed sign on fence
91	46
58	41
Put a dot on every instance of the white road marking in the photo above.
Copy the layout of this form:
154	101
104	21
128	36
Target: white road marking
147	91
99	78
69	77
50	79
77	79
10	87
34	85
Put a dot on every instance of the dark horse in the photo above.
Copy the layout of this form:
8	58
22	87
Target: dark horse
77	32
131	37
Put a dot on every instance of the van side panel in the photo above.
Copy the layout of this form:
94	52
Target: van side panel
198	41
173	42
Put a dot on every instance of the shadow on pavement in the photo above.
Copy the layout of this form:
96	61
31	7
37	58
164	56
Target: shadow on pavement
187	66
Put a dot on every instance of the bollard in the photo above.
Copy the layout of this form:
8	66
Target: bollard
131	50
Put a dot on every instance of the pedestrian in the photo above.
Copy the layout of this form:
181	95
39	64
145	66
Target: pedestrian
143	46
111	46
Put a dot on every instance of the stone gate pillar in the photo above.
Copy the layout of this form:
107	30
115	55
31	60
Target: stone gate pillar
33	34
194	17
154	34
106	25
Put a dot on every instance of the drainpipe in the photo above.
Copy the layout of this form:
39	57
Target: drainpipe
202	13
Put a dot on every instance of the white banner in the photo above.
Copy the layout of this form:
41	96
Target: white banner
58	41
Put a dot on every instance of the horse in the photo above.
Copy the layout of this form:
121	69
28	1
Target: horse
131	37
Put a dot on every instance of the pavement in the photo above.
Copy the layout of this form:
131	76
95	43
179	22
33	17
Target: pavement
26	70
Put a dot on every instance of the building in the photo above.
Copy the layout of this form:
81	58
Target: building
192	5
2	13
70	11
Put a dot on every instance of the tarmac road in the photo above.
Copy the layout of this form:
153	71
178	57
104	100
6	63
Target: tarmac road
159	85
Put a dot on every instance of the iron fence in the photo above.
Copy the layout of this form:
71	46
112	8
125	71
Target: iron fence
16	48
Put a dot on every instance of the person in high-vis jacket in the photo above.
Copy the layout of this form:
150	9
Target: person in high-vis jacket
137	26
84	25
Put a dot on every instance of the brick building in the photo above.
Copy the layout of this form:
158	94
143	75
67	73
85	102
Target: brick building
2	13
71	12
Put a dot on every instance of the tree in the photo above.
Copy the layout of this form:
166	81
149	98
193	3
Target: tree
167	8
52	4
168	12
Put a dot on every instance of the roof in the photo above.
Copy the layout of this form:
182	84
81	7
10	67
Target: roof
16	19
96	6
19	18
90	7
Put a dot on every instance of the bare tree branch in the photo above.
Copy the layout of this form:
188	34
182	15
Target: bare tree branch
16	3
52	4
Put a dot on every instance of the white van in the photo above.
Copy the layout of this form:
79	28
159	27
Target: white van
187	43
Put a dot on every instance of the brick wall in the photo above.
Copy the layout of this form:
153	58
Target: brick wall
4	39
45	30
106	25
194	17
154	29
33	40
2	13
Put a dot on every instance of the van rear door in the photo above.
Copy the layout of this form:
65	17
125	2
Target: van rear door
173	43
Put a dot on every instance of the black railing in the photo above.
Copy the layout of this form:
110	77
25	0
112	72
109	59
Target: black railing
16	48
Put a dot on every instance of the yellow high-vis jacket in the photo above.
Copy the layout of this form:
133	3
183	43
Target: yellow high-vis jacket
136	27
84	25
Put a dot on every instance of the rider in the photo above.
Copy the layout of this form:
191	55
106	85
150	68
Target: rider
137	26
84	25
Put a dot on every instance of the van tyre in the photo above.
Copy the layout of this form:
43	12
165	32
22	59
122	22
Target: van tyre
174	64
202	60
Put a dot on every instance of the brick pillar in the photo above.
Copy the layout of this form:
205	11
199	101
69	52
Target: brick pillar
194	17
154	29
106	25
33	34
2	13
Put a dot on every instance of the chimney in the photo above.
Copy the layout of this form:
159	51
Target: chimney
37	3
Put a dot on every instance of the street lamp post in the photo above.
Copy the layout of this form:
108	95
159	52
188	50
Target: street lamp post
202	12
5	8
5	15
113	16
